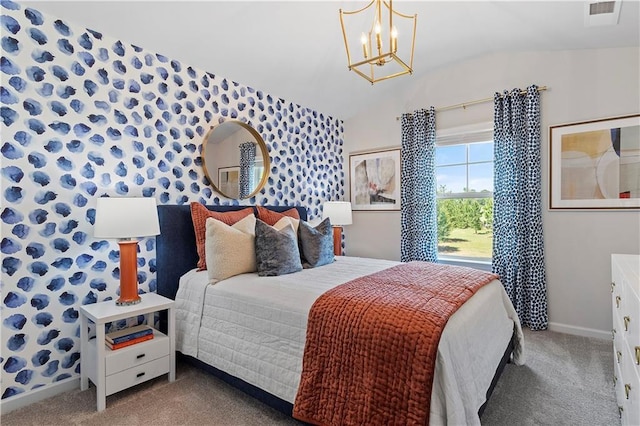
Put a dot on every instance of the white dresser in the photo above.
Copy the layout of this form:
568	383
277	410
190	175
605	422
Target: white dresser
625	295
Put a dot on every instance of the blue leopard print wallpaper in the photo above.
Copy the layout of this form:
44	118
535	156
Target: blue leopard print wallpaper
86	115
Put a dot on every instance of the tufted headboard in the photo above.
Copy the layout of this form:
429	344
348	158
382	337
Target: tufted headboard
176	245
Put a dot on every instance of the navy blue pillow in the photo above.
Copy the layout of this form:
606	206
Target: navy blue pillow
316	243
277	252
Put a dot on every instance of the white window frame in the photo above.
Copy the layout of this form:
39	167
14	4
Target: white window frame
480	132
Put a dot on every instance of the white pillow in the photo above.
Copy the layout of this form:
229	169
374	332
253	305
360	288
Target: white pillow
230	250
286	220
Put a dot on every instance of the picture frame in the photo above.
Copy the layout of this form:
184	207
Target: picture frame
374	178
229	181
595	164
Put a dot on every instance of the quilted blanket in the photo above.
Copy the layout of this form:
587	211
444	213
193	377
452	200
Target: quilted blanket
371	344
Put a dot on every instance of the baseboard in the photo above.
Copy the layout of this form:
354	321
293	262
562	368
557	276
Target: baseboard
579	331
39	394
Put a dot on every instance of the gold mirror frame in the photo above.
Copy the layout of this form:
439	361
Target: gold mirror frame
257	139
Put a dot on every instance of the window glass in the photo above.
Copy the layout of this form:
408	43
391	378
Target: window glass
481	152
481	177
453	154
464	176
453	178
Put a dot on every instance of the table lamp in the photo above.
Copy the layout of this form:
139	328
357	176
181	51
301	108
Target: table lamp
126	219
339	213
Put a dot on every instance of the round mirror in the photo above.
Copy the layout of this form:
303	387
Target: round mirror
235	159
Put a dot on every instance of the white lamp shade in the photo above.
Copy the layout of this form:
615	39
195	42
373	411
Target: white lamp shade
128	217
338	212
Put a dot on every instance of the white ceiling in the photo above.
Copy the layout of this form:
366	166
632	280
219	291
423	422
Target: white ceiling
294	50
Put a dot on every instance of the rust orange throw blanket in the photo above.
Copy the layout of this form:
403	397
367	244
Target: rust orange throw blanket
372	343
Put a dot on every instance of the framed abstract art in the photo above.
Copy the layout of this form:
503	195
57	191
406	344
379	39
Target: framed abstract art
595	164
375	180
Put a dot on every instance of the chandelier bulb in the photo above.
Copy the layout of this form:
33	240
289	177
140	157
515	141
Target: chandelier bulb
394	39
364	41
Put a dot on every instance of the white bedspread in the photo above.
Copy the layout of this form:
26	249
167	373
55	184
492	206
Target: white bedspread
254	328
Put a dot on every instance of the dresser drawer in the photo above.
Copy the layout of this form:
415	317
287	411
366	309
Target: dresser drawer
138	374
618	385
140	353
630	386
630	315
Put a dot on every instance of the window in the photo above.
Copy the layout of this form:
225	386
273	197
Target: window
464	179
258	169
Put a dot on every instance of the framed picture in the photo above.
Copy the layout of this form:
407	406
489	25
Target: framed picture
595	164
229	181
375	180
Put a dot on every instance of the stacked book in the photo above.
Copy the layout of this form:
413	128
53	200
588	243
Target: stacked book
128	336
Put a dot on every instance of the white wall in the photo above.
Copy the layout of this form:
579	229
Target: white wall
583	85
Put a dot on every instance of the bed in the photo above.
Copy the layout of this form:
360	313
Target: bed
250	330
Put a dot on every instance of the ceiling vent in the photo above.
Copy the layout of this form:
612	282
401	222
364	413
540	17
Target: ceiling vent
598	13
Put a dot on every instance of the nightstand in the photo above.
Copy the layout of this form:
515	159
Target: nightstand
114	370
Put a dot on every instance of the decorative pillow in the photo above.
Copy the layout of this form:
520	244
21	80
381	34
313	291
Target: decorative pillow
316	243
270	217
276	250
286	220
199	215
230	250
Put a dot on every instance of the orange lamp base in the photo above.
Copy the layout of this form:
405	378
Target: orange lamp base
128	273
337	240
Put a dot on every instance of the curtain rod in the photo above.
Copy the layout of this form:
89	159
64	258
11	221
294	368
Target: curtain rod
464	105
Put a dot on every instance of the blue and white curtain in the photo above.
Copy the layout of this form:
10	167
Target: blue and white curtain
247	165
419	237
518	250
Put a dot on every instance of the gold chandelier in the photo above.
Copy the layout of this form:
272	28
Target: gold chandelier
380	45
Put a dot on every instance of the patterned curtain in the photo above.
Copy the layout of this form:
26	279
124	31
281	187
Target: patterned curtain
247	164
419	238
518	251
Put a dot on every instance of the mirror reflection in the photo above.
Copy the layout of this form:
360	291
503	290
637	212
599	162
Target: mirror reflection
235	159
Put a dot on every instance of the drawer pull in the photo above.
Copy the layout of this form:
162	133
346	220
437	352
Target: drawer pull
620	410
618	355
627	390
613	334
618	299
638	355
140	356
615	380
140	375
613	285
626	320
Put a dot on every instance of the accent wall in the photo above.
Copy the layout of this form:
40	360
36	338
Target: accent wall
85	115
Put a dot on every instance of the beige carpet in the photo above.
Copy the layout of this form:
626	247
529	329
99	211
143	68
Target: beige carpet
567	380
195	398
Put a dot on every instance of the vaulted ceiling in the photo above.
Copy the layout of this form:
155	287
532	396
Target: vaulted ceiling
294	49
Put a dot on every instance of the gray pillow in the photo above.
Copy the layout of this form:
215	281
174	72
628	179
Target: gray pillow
316	243
277	251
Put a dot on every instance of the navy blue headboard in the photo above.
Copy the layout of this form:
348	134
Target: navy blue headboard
176	251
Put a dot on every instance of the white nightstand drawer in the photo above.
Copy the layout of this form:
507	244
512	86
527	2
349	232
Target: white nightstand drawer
133	376
140	353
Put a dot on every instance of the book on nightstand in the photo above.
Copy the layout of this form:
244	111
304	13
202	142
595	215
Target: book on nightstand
114	346
128	334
